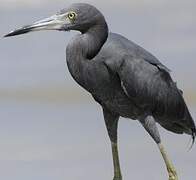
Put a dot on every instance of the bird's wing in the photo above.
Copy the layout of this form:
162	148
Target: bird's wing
148	86
143	77
147	83
152	90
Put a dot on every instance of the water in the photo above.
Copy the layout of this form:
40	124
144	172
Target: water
69	141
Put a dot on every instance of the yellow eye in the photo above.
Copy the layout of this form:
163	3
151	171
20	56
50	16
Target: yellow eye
72	16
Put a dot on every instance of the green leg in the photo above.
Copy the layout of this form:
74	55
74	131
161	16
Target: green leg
111	121
117	171
170	167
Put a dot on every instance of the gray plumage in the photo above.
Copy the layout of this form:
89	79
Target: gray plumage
122	77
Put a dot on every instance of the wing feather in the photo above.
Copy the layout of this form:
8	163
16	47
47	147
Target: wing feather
147	82
154	91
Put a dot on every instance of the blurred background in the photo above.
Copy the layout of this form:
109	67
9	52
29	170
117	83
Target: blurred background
52	129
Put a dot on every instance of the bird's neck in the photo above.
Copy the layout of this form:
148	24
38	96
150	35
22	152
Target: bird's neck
88	44
93	40
83	48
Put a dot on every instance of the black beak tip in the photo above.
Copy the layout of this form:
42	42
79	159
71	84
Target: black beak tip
18	32
12	33
7	35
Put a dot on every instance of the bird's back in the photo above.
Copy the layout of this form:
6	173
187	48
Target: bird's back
118	46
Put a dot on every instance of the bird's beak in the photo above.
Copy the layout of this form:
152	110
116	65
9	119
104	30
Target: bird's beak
55	22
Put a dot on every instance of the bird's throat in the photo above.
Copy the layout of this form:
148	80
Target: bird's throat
82	49
93	40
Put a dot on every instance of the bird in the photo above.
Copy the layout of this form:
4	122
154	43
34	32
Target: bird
125	79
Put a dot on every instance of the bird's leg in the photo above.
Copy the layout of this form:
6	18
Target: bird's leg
170	167
111	121
150	125
117	171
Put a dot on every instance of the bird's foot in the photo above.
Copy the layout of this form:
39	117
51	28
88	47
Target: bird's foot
117	178
172	174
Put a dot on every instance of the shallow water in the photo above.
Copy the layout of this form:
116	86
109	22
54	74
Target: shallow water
69	141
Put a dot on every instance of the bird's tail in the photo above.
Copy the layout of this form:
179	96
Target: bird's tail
190	125
193	134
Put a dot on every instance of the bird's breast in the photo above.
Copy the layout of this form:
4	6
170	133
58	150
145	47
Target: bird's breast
105	87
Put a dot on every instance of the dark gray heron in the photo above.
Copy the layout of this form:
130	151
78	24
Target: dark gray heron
126	80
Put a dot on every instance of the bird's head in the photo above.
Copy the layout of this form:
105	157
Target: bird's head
80	17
